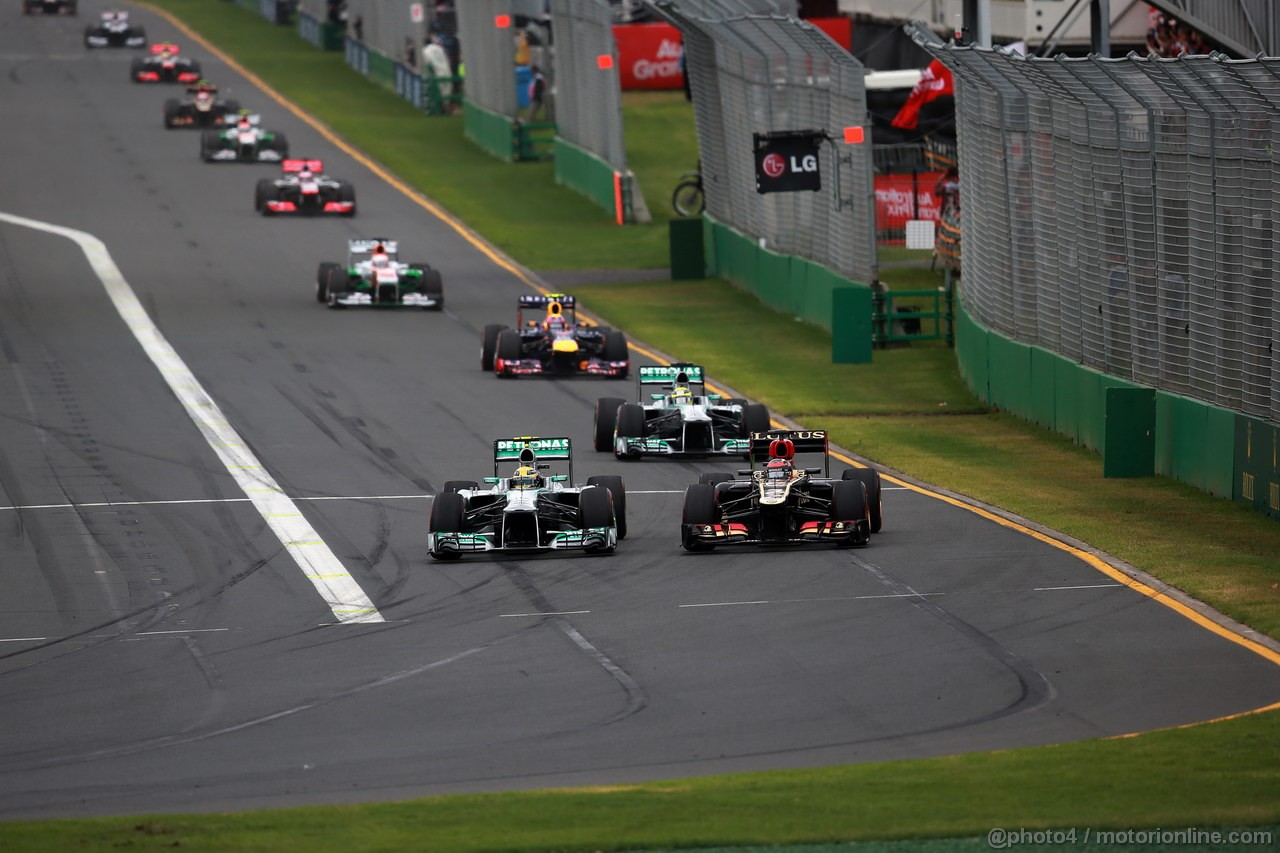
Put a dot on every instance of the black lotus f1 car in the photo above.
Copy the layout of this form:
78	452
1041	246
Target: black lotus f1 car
304	189
553	343
202	108
776	502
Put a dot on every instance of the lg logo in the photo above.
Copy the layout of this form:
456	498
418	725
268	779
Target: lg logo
775	165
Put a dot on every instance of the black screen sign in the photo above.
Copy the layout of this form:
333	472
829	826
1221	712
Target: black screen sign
787	161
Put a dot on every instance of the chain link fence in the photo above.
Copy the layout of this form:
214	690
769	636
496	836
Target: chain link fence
489	53
1120	213
588	95
762	73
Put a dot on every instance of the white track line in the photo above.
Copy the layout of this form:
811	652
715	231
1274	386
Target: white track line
557	613
1085	586
340	591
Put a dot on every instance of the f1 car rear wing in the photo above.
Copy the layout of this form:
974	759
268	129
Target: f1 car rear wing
804	440
362	249
292	167
676	373
530	450
548	302
158	48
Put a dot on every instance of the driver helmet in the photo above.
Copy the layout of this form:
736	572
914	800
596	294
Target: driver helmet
681	394
777	469
525	477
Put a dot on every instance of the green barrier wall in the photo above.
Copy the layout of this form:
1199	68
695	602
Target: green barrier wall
784	282
1258	465
580	170
492	132
1194	442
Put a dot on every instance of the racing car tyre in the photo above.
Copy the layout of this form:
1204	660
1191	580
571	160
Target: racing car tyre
489	345
134	67
615	346
848	501
509	348
141	32
210	141
699	508
171	110
432	285
595	508
613	483
870	478
606	419
328	270
755	418
264	192
280	145
346	192
710	478
446	517
630	425
457	485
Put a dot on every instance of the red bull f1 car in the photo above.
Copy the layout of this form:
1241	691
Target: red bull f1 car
778	502
374	277
681	419
549	340
243	141
114	30
526	509
303	189
166	64
50	7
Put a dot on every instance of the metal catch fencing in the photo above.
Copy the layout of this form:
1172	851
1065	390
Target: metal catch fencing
588	95
1121	213
763	73
489	52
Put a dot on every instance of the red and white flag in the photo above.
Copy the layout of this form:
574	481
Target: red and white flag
934	83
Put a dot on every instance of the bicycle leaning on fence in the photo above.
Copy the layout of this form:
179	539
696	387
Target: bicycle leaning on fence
687	199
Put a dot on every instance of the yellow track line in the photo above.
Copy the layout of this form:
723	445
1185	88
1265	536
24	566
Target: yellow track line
488	251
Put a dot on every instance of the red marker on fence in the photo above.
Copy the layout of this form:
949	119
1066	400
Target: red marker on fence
502	22
604	61
853	135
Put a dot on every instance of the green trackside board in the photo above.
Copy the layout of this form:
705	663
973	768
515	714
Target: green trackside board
508	449
658	375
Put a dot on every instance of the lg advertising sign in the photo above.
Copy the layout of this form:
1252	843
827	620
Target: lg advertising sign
788	161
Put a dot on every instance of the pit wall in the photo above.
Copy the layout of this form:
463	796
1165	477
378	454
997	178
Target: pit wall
1218	451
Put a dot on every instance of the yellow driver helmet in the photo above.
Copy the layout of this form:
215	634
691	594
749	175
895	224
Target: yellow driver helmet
525	477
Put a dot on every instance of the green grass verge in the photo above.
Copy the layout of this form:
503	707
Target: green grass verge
1222	774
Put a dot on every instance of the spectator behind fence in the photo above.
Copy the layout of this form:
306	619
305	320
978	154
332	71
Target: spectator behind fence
410	52
435	62
537	93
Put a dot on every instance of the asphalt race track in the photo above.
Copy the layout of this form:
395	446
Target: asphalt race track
160	651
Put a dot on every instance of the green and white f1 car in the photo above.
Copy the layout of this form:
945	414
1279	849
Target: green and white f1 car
682	419
525	509
375	277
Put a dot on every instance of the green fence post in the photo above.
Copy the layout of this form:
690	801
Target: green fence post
1129	442
851	325
684	236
